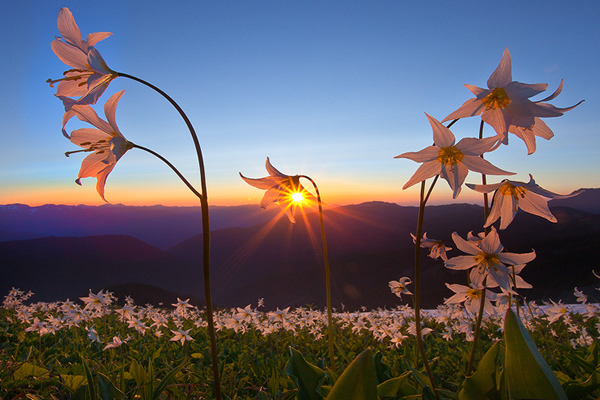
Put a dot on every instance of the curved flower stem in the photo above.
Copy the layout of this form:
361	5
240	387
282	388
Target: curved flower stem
205	233
179	174
417	296
327	276
477	333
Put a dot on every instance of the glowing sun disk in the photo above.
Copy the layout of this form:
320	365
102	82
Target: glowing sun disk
297	197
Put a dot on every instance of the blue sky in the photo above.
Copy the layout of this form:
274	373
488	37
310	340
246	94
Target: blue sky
330	89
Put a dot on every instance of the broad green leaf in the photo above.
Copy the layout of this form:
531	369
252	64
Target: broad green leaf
527	375
307	377
28	369
73	382
391	387
358	381
108	390
482	384
138	372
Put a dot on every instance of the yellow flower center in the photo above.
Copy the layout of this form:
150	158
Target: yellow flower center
487	260
473	294
508	189
496	99
450	155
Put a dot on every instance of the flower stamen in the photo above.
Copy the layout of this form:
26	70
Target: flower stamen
450	155
496	99
487	260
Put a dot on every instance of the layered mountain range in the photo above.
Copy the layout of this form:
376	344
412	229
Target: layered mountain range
154	253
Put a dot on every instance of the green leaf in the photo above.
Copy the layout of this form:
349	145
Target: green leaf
73	382
526	373
579	390
167	381
90	380
381	369
307	377
28	369
391	387
482	384
358	381
108	390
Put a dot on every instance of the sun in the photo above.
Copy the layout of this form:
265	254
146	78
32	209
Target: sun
297	197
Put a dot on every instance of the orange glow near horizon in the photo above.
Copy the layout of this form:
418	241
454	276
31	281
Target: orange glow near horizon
333	194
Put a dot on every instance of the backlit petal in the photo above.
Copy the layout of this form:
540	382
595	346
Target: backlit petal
93	38
427	154
516	259
110	108
442	136
470	108
272	170
425	171
502	76
461	262
466	246
69	29
478	164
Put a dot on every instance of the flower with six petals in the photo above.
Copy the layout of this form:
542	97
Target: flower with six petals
452	160
487	260
106	143
505	105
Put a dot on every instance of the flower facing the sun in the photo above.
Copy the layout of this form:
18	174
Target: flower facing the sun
283	189
106	143
89	76
452	160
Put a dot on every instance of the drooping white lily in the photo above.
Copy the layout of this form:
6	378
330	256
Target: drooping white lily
505	105
399	287
437	248
283	189
90	75
452	161
106	143
510	196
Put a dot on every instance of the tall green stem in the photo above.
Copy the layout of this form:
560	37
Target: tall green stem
205	232
417	283
327	276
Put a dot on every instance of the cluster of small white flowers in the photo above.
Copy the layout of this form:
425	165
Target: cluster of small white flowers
390	326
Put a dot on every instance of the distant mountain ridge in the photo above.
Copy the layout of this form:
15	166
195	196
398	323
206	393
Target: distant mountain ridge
369	245
159	226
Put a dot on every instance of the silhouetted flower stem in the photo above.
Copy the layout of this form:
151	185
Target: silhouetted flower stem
327	276
205	232
477	333
417	296
179	174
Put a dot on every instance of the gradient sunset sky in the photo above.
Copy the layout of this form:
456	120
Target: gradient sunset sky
329	89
